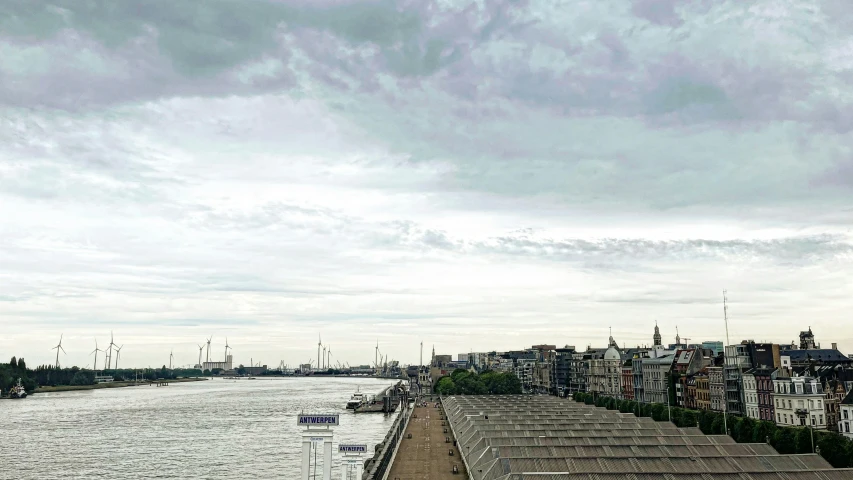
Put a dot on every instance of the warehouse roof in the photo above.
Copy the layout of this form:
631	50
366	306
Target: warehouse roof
523	437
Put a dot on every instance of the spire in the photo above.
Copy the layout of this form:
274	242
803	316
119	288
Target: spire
677	338
611	342
657	338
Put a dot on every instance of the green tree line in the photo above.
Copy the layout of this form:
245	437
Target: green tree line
463	382
49	375
835	448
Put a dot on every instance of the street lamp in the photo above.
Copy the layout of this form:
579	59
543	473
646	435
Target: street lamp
668	407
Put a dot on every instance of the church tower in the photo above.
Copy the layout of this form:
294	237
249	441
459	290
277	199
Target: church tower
677	338
657	338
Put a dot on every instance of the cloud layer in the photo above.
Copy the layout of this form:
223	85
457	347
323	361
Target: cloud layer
478	175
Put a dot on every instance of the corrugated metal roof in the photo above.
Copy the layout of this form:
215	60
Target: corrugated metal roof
546	438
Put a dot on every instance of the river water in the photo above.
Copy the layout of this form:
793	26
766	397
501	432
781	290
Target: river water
218	428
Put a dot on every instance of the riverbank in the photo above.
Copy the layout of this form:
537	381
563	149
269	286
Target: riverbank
69	388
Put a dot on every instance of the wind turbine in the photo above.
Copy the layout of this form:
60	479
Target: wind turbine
226	349
95	351
171	356
118	355
324	356
319	345
58	347
208	348
200	348
111	347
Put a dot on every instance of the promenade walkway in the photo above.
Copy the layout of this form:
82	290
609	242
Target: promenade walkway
425	455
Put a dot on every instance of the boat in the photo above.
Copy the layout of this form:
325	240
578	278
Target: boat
18	391
358	399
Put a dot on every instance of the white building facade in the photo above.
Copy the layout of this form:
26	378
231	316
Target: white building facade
750	396
799	401
845	416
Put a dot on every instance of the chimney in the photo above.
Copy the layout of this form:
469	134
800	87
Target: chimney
834	346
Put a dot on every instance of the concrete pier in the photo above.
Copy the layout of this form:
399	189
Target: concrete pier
426	456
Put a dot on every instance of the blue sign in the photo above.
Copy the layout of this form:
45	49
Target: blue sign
317	420
352	448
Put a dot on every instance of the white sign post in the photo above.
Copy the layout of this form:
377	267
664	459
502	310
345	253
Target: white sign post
317	433
352	465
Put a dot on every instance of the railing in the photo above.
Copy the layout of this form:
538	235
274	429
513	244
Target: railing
378	466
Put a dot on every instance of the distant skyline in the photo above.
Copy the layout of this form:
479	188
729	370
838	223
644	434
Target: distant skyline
474	175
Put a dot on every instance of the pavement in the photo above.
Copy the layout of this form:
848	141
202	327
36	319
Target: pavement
425	455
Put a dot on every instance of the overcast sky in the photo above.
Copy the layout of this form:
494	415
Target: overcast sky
475	175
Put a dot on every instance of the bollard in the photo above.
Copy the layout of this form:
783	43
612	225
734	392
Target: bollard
446	439
409	436
450	452
445	430
455	468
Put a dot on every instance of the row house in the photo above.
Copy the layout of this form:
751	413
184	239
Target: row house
605	372
562	370
716	387
627	380
799	401
656	378
845	420
703	390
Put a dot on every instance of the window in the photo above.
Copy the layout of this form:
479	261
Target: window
778	417
818	404
811	404
845	414
813	422
846	427
820	417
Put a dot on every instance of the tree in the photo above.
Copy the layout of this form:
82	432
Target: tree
14	362
241	370
81	378
717	427
21	364
784	441
804	440
445	386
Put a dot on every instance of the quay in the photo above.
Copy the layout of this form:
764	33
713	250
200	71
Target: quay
426	447
387	400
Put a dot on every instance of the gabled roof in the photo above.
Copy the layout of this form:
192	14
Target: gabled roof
848	400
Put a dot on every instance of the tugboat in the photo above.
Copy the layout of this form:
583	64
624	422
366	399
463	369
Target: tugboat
18	391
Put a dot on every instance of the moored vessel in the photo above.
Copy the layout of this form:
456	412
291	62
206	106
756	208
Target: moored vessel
356	400
18	391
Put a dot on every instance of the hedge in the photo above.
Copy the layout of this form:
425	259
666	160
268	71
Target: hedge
835	448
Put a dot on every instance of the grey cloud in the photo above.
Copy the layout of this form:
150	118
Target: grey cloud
795	250
661	12
599	253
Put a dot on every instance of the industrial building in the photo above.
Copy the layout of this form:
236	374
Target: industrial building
520	437
226	365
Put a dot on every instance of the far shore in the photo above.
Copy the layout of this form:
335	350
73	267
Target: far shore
69	388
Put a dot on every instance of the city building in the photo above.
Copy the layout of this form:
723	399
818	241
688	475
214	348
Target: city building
703	391
578	371
690	401
655	378
737	361
715	346
798	401
605	371
228	364
750	395
845	422
716	387
562	369
627	380
637	374
764	390
807	340
820	356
